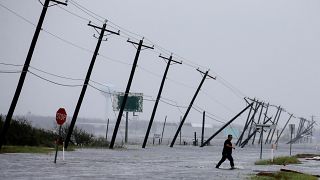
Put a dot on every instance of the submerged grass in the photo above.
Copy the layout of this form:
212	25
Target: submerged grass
279	161
30	149
283	175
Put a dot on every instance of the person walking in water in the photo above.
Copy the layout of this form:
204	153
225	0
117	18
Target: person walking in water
227	152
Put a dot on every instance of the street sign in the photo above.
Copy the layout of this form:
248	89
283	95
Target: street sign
267	126
61	116
134	102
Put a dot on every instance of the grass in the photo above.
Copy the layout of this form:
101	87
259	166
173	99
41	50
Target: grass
283	175
306	155
30	149
279	161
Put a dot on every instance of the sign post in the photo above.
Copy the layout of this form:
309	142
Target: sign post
261	127
61	117
291	127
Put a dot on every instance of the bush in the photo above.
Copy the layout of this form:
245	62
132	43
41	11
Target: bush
78	136
21	133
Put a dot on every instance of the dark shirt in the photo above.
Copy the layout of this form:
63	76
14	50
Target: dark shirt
226	149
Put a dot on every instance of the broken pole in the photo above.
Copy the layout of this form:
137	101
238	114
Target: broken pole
224	126
158	97
124	101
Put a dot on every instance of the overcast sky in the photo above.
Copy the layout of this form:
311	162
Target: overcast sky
266	49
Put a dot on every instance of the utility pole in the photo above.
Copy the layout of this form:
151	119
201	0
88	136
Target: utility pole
203	123
180	130
311	129
191	103
86	81
125	97
158	97
107	130
164	125
25	70
126	131
261	137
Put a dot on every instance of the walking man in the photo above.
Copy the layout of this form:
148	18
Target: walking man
227	152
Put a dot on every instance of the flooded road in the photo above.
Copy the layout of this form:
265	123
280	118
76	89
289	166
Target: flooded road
154	162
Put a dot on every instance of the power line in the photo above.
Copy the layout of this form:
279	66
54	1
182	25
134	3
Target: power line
9	72
53	82
129	34
186	61
86	11
18	15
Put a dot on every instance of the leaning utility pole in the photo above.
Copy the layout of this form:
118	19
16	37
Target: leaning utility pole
86	81
191	103
158	97
25	70
125	97
225	125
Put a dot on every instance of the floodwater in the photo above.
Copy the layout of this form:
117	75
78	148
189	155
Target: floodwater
153	162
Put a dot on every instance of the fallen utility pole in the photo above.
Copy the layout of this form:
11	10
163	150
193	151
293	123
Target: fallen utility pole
158	97
276	123
86	81
283	129
125	97
258	104
264	119
245	142
246	125
254	136
25	70
190	105
274	120
224	126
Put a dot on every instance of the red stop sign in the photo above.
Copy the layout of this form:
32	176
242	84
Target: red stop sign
61	116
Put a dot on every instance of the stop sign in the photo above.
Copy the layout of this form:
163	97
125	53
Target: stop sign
61	116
